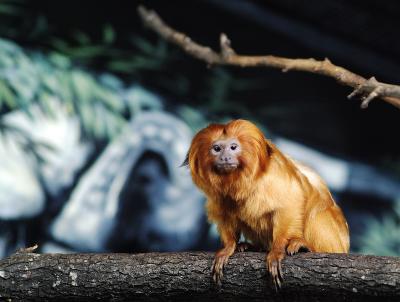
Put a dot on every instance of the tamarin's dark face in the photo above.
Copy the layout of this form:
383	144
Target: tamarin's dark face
225	154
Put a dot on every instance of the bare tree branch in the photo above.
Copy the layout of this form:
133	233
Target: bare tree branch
366	89
26	276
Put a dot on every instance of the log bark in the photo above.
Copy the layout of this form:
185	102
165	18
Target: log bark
186	276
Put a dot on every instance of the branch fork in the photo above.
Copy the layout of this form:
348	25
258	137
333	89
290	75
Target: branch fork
368	89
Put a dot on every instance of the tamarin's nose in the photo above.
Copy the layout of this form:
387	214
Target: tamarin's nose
226	159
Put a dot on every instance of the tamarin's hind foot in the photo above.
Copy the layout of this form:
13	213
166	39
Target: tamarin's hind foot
246	246
297	245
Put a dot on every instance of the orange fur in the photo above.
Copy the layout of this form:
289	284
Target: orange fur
276	203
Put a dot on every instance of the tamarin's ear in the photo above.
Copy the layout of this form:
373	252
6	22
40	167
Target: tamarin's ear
269	148
185	162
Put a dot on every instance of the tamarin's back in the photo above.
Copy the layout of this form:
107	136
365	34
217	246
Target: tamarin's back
293	187
318	223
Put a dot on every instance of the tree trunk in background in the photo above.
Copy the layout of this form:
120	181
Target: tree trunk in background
186	277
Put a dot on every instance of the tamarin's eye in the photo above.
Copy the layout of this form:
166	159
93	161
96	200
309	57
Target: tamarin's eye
216	148
233	147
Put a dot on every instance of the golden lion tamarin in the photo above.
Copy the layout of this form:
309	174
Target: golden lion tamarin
253	189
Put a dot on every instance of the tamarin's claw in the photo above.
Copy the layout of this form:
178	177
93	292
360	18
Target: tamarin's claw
218	268
275	269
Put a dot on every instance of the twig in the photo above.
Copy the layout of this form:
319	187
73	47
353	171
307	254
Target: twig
367	89
27	250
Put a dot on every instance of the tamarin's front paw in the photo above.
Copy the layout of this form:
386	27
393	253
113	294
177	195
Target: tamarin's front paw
274	259
221	259
297	245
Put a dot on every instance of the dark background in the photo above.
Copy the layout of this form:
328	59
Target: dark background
359	35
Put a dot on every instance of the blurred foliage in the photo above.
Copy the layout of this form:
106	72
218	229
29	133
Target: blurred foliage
100	50
102	103
382	236
28	145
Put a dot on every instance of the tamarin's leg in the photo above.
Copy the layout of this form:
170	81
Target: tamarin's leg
327	231
287	225
229	238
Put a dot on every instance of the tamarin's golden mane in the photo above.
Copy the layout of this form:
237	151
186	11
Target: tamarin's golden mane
253	159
